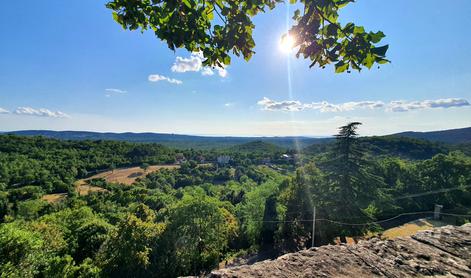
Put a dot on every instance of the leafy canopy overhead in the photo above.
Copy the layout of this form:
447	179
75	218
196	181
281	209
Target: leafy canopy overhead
217	28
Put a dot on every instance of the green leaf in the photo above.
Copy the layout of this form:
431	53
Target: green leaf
349	28
382	61
227	60
332	30
296	14
187	3
342	3
117	18
341	67
380	51
358	30
376	37
369	61
189	24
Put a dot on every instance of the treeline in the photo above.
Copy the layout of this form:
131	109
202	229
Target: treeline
396	146
54	164
156	227
186	221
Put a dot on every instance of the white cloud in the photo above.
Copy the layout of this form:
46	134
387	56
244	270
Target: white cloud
229	104
207	72
404	106
222	72
324	106
157	78
41	112
286	105
195	64
4	111
347	106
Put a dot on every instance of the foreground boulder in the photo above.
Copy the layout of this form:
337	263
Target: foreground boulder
441	252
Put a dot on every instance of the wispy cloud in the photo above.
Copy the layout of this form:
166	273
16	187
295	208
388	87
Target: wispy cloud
4	111
158	77
194	63
404	106
116	91
111	91
229	104
324	106
41	112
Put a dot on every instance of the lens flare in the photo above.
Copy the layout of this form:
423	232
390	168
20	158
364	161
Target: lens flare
287	43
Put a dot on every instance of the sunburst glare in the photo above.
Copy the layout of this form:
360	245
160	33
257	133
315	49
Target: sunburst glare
287	43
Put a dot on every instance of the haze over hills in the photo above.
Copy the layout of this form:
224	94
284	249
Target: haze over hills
452	136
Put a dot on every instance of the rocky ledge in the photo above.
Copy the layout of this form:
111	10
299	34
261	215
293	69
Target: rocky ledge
441	252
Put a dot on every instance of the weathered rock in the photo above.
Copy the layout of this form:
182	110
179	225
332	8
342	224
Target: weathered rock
441	252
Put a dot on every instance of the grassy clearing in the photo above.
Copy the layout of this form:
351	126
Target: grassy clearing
83	188
408	229
128	176
54	198
125	176
412	228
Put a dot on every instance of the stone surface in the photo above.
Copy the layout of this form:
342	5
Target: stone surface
441	252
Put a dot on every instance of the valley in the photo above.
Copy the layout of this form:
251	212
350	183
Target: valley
108	202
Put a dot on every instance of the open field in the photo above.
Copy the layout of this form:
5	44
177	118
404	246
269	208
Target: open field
412	228
129	175
83	188
125	176
406	229
54	198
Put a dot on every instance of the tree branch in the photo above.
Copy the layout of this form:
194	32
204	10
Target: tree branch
330	22
217	12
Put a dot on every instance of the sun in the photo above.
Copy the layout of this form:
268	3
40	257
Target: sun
287	44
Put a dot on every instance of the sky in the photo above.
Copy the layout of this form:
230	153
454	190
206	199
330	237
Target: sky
66	65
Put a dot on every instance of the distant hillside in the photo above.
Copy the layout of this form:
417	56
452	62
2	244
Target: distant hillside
404	147
313	145
172	140
408	148
465	148
257	147
450	136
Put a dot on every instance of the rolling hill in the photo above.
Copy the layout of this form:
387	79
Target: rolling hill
257	147
450	136
408	148
171	140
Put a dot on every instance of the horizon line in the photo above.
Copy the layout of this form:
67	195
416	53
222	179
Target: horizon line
221	135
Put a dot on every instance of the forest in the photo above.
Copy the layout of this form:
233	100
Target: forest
190	220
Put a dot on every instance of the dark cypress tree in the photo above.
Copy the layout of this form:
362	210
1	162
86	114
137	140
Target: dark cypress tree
353	186
270	226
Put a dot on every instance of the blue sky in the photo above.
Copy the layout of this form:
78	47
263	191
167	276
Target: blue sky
58	58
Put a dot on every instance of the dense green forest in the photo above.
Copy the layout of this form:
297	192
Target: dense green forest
186	221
